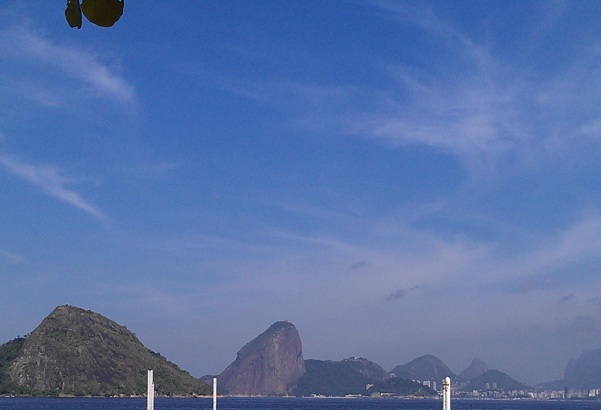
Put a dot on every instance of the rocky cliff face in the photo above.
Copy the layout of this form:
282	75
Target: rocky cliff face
75	351
270	364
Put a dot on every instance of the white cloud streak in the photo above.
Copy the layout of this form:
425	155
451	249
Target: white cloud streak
482	108
85	67
487	110
12	258
51	181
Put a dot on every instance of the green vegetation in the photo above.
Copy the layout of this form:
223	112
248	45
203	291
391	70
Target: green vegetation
368	369
8	352
330	378
402	387
354	376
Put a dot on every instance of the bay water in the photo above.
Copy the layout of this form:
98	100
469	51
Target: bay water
238	403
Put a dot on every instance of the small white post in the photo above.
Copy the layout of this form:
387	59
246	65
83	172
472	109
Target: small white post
446	393
214	393
150	391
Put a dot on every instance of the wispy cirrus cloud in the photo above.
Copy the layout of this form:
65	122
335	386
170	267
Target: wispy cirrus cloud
50	180
81	67
11	257
471	102
472	107
483	106
474	118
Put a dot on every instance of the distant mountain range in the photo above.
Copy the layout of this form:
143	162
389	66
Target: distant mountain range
494	380
354	376
360	376
79	352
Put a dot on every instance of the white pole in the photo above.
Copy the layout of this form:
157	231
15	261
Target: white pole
150	391
446	393
214	393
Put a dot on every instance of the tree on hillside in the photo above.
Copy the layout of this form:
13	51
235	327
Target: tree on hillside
103	13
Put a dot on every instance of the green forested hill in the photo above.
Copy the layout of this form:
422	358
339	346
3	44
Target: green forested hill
331	378
79	352
353	376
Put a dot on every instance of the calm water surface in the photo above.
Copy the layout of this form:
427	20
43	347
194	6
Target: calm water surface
287	404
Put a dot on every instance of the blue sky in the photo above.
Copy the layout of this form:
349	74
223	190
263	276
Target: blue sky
395	178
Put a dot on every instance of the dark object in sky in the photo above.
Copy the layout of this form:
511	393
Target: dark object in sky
103	13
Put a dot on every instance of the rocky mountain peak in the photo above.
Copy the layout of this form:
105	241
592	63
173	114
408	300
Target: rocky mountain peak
270	364
476	368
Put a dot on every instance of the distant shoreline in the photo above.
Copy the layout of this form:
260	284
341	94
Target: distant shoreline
462	399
